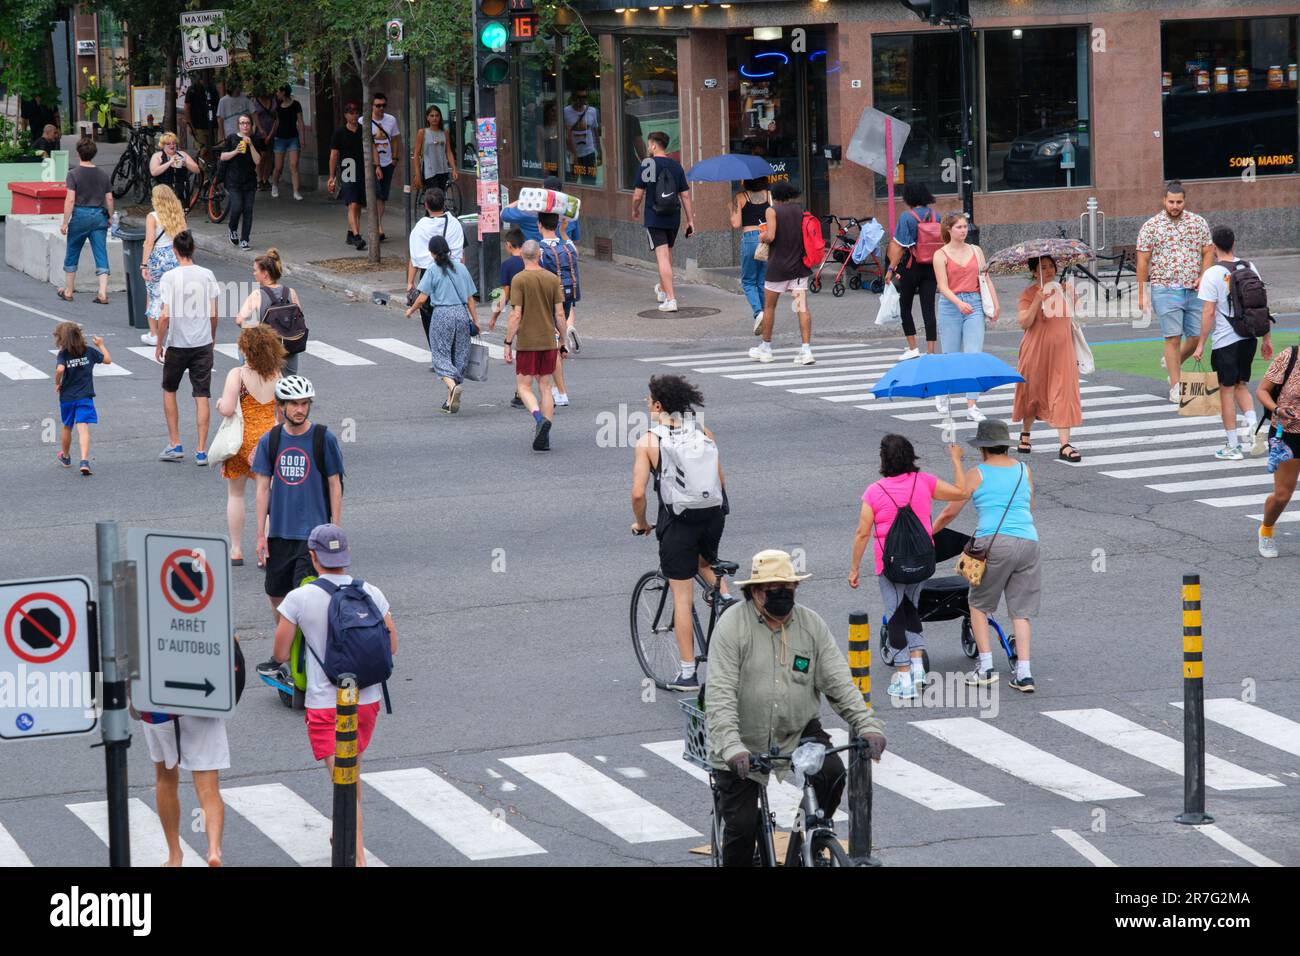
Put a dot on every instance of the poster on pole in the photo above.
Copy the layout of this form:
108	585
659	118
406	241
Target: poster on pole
489	196
203	40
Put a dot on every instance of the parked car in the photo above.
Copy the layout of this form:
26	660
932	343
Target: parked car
1035	158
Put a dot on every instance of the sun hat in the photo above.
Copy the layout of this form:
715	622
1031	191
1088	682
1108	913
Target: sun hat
772	567
992	433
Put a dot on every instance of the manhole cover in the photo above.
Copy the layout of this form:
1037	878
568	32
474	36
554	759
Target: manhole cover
686	313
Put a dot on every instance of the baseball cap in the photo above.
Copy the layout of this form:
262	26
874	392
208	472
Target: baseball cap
331	546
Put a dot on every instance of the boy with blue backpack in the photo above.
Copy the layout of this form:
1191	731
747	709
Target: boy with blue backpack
347	629
560	255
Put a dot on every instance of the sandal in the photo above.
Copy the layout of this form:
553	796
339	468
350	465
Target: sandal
98	301
61	295
1073	454
1024	448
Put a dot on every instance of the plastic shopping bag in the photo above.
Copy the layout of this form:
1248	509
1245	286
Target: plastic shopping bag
889	312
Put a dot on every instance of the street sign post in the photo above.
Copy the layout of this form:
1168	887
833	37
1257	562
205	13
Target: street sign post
48	658
185	653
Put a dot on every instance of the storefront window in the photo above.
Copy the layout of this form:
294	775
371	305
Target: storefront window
1036	108
539	130
468	143
112	53
649	84
1229	94
915	78
442	94
584	132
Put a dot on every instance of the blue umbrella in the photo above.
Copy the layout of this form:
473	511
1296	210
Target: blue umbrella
730	167
949	374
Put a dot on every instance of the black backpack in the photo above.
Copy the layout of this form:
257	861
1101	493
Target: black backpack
908	556
285	319
666	200
1247	301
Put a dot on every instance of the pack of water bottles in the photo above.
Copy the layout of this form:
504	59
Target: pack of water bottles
534	199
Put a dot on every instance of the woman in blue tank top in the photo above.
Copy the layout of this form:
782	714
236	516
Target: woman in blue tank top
1003	492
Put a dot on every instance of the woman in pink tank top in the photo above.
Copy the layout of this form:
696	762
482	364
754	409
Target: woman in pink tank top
960	315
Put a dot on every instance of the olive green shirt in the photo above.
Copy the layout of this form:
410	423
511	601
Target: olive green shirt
762	695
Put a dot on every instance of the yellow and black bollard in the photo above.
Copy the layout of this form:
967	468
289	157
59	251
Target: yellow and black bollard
345	773
1193	706
859	787
860	653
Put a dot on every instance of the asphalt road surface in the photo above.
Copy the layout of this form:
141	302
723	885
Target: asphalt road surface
522	733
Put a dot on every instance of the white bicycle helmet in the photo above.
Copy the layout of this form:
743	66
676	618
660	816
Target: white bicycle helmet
294	388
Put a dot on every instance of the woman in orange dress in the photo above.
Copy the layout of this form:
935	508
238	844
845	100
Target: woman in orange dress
252	387
1050	390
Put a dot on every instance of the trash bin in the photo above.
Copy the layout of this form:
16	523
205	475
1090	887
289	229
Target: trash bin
39	199
469	223
137	297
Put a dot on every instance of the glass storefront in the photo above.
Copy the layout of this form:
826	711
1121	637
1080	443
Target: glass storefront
112	53
537	112
584	133
648	74
560	126
1229	97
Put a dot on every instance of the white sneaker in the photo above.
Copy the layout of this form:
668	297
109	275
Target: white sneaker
762	354
298	196
1259	445
1267	547
668	305
758	323
149	338
1174	394
941	404
275	190
659	293
1229	453
804	357
974	414
909	354
561	398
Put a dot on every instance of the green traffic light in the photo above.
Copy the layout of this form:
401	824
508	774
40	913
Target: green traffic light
494	36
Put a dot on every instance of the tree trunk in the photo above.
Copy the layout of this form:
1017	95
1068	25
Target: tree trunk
169	89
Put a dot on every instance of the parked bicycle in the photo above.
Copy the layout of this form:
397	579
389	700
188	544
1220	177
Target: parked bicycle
208	186
813	841
653	637
451	198
132	169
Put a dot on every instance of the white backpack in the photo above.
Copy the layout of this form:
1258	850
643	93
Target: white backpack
688	469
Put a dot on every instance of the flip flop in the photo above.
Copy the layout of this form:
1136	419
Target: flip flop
65	298
236	562
98	301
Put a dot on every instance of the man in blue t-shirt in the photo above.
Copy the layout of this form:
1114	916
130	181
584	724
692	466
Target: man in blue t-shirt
665	179
527	221
294	463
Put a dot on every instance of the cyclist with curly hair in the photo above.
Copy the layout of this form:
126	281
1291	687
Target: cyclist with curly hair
681	456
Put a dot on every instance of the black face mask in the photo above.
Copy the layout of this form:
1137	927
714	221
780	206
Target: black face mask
778	602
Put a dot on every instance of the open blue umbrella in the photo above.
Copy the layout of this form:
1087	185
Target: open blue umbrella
729	167
949	374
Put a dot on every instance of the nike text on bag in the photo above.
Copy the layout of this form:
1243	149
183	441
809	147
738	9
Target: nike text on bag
1247	301
928	237
285	319
356	640
814	243
688	469
1198	393
666	200
908	552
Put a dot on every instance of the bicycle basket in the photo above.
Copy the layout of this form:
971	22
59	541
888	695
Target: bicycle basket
697	736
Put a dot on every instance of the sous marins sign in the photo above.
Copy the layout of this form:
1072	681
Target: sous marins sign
1240	162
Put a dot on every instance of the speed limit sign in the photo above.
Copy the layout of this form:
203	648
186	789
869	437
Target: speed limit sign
203	40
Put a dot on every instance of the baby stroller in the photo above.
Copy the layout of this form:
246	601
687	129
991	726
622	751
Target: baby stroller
945	599
851	247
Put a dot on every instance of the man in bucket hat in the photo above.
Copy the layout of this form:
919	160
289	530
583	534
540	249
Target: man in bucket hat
770	662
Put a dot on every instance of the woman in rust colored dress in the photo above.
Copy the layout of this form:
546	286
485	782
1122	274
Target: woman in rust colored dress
252	387
1050	391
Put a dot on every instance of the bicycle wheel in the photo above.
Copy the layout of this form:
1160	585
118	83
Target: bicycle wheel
123	175
716	830
653	637
452	193
826	850
218	201
194	184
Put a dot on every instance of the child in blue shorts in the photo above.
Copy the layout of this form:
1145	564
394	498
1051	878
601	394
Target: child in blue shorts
74	383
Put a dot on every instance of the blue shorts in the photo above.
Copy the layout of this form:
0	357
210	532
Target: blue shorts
284	145
80	411
1178	309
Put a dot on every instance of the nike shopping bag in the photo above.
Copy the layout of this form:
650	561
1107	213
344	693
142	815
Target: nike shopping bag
1198	393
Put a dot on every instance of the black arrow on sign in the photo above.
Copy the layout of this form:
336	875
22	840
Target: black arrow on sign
206	686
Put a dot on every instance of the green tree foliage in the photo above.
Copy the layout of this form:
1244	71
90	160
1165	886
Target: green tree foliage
24	49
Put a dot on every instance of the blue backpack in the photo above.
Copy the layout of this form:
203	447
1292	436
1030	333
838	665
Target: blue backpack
357	640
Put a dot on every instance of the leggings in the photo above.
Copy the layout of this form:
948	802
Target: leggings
918	280
241	210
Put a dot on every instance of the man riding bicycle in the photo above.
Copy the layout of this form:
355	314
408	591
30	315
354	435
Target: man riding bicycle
683	459
770	662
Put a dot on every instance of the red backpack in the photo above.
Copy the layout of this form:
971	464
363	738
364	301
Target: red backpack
814	243
928	237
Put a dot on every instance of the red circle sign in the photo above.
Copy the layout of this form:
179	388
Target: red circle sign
20	613
187	589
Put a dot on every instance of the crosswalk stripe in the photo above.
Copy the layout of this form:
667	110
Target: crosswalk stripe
457	818
148	844
1284	518
773	368
1165	752
780	350
1005	411
228	349
806	372
1252	721
1235	846
890	406
855	386
1133	457
144	351
1131	440
914	782
1020	759
12	367
994	393
833	351
863	379
612	805
335	356
1213	484
11	854
1210	464
1233	501
289	821
404	349
1108	429
101	369
1084	848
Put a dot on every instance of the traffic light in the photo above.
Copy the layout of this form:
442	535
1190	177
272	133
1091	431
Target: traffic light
492	30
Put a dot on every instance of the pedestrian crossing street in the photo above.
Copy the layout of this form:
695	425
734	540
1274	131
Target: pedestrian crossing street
519	805
1125	435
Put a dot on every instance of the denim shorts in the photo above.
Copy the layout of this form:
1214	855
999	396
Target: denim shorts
287	144
1178	309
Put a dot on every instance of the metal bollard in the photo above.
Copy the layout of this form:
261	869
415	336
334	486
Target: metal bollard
859	789
345	773
1193	707
860	653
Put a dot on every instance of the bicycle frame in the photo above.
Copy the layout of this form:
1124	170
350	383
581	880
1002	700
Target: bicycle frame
702	636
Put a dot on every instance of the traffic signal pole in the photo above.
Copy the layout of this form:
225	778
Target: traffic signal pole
489	252
964	40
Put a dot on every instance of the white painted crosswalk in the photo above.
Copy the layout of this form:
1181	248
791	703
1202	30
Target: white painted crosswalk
148	844
293	824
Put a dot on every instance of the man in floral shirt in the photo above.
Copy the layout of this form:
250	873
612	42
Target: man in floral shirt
1173	249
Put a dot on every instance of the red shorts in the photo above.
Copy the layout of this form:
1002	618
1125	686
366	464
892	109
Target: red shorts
320	729
536	363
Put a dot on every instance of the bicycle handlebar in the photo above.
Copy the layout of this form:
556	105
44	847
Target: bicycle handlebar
764	761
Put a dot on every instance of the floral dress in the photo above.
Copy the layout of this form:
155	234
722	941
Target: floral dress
161	261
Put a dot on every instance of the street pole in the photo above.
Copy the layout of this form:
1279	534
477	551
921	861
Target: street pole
115	726
489	254
964	39
406	184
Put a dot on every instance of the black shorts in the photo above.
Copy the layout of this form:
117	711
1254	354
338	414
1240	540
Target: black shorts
353	193
196	361
287	565
1292	439
660	237
384	183
685	538
1232	362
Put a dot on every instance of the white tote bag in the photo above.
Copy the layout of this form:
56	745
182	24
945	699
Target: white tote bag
986	297
1082	353
230	436
889	312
